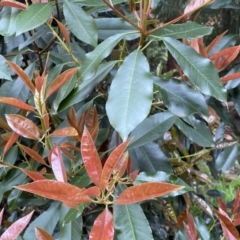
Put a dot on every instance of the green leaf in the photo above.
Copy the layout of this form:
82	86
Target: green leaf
227	158
163	177
80	23
150	158
72	230
184	30
47	221
91	61
130	95
199	134
4	69
108	28
200	71
34	16
8	18
130	221
151	128
85	88
181	99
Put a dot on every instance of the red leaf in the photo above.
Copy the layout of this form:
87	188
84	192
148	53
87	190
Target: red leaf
222	205
39	80
16	228
35	176
230	77
59	170
190	229
23	126
196	4
1	216
67	153
92	192
236	204
64	31
113	164
42	234
145	191
71	204
69	146
214	42
230	231
103	228
56	190
60	80
236	220
223	58
16	103
22	75
12	3
134	174
91	158
91	119
33	154
64	132
14	137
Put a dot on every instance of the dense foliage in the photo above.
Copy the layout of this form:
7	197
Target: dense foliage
119	119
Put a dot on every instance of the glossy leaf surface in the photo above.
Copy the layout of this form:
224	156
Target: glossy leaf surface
23	126
16	103
16	228
64	132
55	190
133	88
91	158
59	170
145	191
112	163
103	227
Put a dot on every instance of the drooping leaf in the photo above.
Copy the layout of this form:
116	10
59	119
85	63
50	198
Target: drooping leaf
103	228
200	133
42	234
64	132
34	16
183	30
22	75
112	163
59	81
33	154
151	128
130	221
80	23
23	126
227	158
55	158
56	190
91	158
16	228
145	191
199	70
16	103
150	158
180	99
133	88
